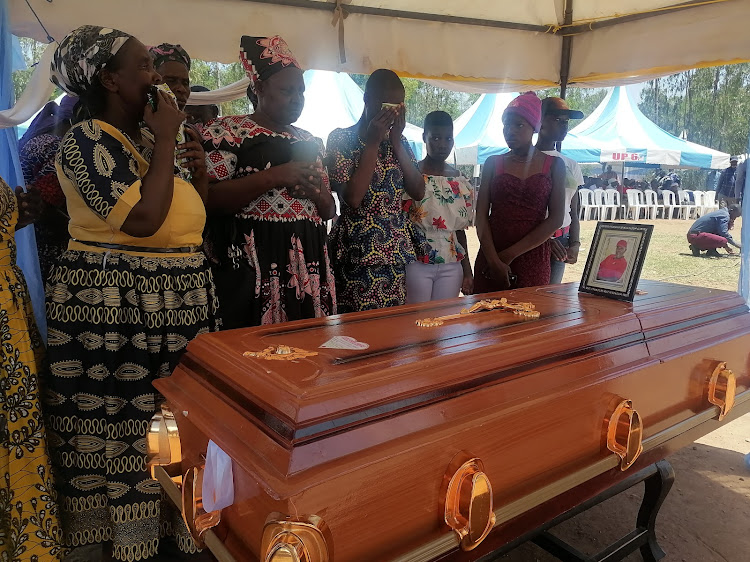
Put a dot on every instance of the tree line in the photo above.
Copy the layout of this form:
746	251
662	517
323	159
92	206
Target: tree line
710	106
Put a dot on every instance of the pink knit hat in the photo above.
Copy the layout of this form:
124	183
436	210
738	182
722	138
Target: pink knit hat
528	106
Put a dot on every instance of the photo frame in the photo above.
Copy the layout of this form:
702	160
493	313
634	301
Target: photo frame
614	265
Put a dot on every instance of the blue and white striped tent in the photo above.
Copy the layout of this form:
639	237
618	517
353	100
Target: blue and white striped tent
478	132
618	131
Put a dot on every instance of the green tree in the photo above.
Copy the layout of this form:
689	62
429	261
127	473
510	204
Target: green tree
214	75
32	51
709	106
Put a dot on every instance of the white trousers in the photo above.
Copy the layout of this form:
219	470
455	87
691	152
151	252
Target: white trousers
433	282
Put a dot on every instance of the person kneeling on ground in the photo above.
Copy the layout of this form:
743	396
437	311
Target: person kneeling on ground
711	231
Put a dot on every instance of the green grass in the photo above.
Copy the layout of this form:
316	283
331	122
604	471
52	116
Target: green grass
668	257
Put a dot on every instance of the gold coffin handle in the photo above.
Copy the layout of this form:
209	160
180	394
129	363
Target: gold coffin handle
295	540
163	447
196	518
722	388
625	434
468	504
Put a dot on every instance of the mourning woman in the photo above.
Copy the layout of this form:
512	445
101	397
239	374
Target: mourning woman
443	214
372	168
172	63
521	204
129	294
269	200
38	148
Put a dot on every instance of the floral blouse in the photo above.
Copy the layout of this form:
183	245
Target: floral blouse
448	206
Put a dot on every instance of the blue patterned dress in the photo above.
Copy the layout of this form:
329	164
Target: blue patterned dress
371	245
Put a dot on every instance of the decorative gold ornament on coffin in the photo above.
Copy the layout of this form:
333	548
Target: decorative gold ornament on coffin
468	501
163	446
280	353
196	518
625	434
722	387
287	539
525	309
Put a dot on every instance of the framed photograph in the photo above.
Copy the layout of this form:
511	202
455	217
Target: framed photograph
616	259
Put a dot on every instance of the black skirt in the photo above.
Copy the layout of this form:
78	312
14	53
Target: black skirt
268	272
117	322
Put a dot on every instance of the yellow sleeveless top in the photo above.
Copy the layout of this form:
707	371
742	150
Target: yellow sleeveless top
101	172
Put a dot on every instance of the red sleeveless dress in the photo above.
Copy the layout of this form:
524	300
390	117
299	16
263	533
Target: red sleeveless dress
517	207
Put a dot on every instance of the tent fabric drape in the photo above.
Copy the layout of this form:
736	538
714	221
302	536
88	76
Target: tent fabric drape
36	94
473	48
613	42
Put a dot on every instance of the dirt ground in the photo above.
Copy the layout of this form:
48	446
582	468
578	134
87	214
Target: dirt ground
705	518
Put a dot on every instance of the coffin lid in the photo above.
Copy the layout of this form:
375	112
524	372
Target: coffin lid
406	367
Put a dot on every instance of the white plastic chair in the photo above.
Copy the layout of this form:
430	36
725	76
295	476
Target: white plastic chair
652	204
611	203
670	204
709	202
586	198
635	203
599	201
686	204
698	200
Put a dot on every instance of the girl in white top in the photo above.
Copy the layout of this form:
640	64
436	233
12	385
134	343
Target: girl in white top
444	213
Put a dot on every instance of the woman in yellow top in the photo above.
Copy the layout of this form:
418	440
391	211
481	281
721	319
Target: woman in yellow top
29	525
127	296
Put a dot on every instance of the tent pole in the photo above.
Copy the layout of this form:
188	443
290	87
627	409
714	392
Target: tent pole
744	282
567	46
405	14
567	29
594	25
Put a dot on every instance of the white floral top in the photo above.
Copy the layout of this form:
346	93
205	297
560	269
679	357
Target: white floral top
448	206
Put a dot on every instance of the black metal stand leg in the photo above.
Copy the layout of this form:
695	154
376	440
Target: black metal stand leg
657	488
657	478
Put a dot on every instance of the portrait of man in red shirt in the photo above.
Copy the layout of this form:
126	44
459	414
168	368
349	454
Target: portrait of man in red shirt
614	265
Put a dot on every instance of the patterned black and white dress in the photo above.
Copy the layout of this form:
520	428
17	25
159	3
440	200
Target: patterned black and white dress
117	320
270	260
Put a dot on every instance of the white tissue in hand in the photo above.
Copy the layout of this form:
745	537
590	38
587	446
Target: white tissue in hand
218	484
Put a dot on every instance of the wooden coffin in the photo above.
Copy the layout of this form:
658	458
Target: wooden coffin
483	423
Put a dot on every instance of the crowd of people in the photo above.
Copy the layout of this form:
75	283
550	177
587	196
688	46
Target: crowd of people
146	242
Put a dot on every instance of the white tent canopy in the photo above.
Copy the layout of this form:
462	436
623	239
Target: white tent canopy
332	101
478	132
485	45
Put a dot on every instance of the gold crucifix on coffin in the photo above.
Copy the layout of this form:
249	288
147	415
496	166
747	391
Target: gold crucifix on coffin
525	309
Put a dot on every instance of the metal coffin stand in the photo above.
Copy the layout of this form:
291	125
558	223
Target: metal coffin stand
444	441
